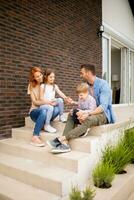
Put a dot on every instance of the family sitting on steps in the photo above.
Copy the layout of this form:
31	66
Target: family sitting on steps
93	108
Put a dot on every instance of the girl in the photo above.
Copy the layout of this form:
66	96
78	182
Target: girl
47	92
37	114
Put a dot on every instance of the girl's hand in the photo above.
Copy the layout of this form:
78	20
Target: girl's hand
68	100
53	103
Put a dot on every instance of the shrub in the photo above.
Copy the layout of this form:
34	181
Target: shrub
88	194
103	174
75	194
129	141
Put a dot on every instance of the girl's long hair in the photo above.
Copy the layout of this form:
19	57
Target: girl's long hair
47	72
32	80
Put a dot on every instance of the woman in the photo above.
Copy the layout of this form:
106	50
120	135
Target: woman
37	114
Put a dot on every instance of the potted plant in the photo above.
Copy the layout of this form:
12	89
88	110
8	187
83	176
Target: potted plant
103	175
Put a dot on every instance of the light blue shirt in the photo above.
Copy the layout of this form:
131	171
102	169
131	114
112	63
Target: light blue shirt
103	96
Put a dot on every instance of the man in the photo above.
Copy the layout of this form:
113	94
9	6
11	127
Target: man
103	114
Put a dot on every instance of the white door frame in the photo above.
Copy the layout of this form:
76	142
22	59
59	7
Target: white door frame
108	53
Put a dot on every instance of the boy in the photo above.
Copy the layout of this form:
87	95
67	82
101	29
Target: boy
86	103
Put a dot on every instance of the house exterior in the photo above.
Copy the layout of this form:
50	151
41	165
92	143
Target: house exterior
56	33
63	35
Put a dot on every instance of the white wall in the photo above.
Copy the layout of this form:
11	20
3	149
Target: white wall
118	15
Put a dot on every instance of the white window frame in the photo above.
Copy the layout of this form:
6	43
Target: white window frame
119	45
108	38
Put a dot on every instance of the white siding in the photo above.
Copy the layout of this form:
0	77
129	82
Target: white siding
118	15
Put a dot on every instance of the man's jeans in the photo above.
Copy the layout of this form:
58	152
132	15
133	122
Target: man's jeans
50	109
71	132
39	117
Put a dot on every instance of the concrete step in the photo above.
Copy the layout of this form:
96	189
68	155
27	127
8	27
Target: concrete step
56	124
11	189
72	161
40	175
122	187
78	144
131	197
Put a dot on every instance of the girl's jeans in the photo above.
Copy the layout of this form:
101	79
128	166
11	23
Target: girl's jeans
39	117
50	109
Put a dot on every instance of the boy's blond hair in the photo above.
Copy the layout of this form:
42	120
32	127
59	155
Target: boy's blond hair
82	88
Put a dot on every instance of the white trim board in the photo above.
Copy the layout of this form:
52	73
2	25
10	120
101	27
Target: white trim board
116	35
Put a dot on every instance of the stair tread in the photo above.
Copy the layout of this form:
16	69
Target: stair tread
131	197
12	189
75	155
36	167
84	139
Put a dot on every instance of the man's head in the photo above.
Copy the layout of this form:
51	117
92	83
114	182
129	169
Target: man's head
87	71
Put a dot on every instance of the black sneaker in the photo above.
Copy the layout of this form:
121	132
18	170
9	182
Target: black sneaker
54	143
62	148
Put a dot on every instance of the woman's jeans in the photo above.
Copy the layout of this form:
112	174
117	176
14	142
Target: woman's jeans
50	109
39	117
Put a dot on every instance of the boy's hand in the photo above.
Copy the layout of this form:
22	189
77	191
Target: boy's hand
82	116
80	113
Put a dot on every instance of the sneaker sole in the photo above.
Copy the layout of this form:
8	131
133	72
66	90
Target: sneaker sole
49	131
37	145
57	151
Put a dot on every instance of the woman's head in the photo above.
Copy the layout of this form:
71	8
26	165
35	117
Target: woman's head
49	76
36	76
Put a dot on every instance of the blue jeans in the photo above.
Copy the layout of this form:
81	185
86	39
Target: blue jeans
50	109
39	117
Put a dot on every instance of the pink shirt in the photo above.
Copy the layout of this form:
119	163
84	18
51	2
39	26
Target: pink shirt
89	104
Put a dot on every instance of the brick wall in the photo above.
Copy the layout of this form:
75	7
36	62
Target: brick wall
55	33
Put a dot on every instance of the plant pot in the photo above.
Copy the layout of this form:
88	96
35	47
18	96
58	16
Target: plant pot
104	185
122	172
132	161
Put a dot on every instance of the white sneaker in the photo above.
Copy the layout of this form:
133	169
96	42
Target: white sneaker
62	118
85	134
49	129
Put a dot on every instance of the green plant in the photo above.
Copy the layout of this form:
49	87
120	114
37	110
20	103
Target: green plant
117	156
75	194
103	174
129	141
88	193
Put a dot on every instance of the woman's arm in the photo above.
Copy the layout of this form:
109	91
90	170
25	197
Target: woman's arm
35	101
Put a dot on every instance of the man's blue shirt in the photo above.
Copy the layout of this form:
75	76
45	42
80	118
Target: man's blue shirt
103	96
